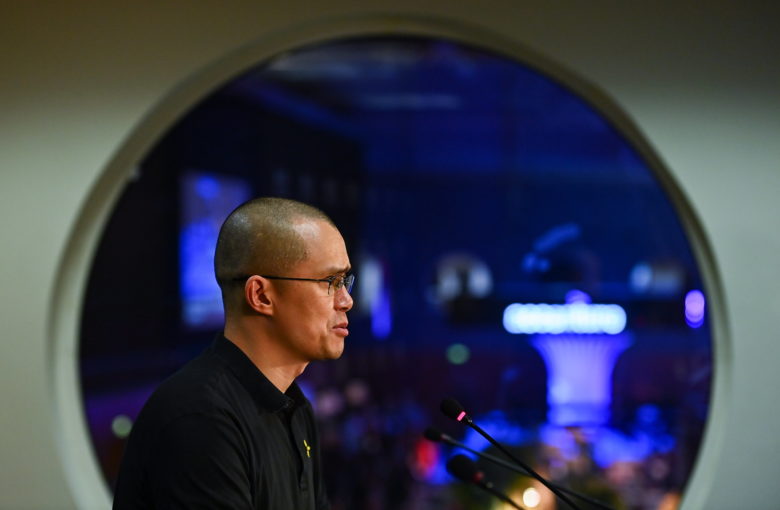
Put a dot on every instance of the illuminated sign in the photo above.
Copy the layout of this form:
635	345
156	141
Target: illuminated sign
582	318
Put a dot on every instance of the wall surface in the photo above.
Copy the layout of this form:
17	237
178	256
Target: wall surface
87	86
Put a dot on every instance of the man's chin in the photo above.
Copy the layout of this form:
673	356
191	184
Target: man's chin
332	350
335	350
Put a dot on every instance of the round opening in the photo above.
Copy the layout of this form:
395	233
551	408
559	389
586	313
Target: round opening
513	248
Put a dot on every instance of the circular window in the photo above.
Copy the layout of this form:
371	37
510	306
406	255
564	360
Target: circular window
513	249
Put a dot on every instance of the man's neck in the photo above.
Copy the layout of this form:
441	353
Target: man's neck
263	354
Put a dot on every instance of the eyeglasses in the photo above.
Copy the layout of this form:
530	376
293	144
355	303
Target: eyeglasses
337	282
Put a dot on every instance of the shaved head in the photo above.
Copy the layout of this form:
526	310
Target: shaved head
259	237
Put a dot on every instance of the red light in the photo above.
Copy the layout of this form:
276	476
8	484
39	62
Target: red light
424	459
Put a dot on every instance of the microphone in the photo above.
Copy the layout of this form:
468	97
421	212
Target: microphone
452	409
436	435
463	468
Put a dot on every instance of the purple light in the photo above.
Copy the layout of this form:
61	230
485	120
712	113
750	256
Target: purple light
577	296
375	296
497	424
695	305
207	199
382	315
207	187
579	375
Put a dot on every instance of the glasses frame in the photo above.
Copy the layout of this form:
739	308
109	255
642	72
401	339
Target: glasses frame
347	280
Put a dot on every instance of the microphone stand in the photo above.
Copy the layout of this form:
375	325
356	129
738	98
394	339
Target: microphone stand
451	408
520	463
438	436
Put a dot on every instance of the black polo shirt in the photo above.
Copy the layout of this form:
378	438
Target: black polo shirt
219	434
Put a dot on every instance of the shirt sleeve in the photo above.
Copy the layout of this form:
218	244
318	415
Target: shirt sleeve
200	461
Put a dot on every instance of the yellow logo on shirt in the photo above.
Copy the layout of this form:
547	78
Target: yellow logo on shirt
308	448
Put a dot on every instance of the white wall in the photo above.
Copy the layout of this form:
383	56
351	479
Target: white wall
78	79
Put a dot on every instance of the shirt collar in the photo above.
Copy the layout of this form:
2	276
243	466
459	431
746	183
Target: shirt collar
265	394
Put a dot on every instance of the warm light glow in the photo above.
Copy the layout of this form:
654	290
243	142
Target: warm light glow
461	415
531	497
578	317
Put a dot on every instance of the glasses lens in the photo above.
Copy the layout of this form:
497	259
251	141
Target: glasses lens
342	281
348	281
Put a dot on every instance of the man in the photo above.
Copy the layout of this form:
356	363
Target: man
232	429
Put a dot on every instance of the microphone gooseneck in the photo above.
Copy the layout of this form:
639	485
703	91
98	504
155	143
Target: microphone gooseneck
463	468
452	409
433	434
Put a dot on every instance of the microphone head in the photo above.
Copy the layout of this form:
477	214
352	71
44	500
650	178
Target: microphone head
452	409
464	468
432	434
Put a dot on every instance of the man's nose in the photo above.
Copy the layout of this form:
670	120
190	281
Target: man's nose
344	300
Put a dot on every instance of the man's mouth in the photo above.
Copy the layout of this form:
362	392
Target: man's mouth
341	329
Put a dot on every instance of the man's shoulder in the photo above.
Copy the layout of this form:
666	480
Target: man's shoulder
191	424
204	386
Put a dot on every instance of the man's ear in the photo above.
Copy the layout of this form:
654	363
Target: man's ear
258	295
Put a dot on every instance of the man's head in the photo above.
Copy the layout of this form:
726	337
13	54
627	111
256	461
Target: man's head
285	239
259	237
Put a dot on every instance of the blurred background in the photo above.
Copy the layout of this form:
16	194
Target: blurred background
501	230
